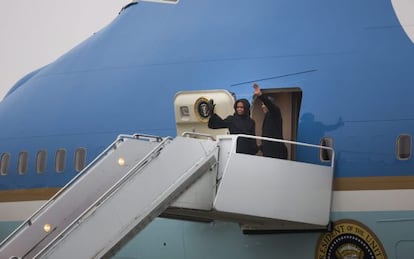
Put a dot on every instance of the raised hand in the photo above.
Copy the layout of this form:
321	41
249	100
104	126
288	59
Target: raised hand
257	90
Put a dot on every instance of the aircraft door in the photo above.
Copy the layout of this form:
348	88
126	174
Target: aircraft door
191	110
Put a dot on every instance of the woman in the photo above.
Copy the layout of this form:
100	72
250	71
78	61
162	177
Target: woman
238	123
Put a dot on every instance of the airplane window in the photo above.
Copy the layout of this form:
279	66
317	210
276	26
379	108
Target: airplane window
80	159
60	160
4	163
326	154
22	162
41	158
404	143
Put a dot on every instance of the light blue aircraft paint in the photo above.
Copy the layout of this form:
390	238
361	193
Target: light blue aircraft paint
350	61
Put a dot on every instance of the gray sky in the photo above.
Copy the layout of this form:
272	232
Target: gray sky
35	33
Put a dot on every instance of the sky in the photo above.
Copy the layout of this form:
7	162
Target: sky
35	33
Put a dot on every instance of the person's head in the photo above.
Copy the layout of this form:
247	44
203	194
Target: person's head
242	107
264	107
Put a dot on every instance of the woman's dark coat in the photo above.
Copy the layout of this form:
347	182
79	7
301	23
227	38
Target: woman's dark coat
238	124
272	128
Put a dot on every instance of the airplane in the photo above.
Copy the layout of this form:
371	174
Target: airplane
341	72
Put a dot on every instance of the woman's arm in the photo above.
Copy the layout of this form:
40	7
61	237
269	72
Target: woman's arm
216	122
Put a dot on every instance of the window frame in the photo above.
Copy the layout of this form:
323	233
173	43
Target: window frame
407	145
41	161
80	159
5	163
60	160
326	142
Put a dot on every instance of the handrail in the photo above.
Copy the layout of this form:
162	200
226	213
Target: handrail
197	134
234	138
152	154
145	136
29	221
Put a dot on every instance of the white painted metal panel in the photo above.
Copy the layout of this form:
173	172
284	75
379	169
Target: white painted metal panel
134	202
187	116
276	189
76	196
200	195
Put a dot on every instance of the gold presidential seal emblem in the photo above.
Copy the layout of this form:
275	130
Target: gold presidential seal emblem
202	109
349	239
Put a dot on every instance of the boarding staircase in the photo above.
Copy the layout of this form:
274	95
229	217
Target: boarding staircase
140	177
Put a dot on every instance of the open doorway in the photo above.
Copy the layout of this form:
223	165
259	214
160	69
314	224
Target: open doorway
289	101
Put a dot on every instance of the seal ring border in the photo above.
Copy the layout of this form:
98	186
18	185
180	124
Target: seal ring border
357	224
199	101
